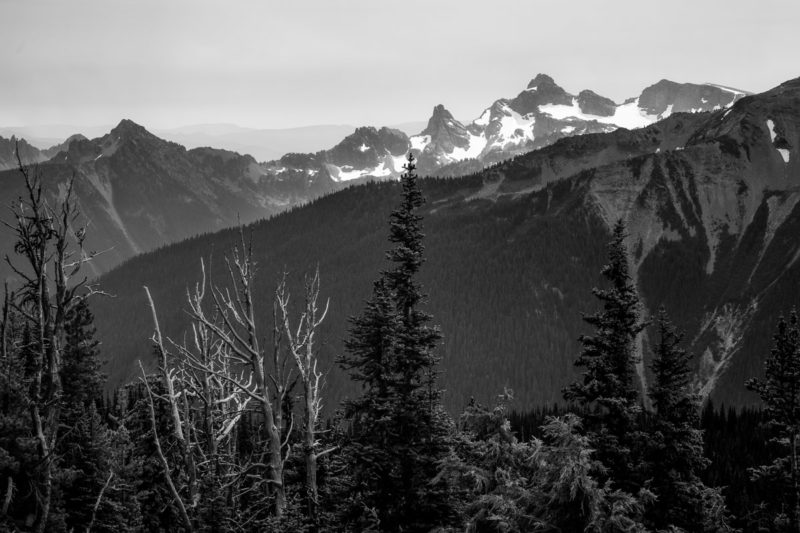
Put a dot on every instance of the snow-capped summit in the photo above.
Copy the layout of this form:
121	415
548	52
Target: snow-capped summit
544	112
539	115
442	141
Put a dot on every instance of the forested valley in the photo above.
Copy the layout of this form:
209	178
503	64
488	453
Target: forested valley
229	427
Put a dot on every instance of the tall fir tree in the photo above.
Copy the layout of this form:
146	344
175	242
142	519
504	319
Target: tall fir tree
80	371
780	392
675	449
399	429
608	388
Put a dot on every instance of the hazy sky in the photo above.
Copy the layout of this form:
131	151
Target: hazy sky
273	64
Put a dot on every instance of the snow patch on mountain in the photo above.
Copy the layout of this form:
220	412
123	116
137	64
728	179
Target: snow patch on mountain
345	172
627	115
419	142
388	166
785	154
398	162
771	127
476	145
515	127
484	119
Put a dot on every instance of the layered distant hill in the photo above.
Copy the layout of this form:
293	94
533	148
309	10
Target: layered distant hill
711	203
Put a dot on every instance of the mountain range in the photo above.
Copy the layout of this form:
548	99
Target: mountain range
709	197
262	144
538	116
140	192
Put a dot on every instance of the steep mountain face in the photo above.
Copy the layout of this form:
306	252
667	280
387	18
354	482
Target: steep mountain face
138	192
711	204
538	116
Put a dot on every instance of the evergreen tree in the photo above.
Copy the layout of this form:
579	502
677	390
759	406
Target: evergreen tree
491	472
780	392
98	485
399	429
96	459
675	447
608	386
505	485
80	372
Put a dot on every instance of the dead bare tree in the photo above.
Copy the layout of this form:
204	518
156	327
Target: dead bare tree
204	406
266	381
301	340
213	378
49	245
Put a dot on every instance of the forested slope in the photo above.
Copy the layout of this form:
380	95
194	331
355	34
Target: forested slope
513	252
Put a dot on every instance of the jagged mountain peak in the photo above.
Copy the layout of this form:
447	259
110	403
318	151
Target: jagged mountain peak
542	89
130	129
367	151
440	116
8	152
367	137
443	124
364	130
541	80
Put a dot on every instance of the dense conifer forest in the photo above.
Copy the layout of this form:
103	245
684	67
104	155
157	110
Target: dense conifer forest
230	428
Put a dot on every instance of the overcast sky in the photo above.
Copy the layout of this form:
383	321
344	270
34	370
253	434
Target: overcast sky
274	64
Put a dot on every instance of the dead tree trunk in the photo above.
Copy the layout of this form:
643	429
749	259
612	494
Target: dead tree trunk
302	345
51	253
264	380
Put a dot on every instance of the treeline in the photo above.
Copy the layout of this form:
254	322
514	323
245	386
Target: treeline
226	434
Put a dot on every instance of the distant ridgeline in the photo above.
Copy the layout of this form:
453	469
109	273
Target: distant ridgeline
513	252
141	192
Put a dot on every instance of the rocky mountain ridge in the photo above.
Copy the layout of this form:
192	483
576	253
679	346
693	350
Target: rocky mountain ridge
538	116
138	192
